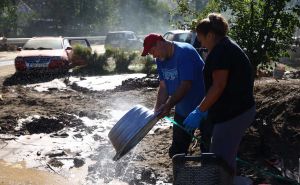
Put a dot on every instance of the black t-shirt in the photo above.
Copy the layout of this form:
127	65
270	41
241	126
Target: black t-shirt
237	96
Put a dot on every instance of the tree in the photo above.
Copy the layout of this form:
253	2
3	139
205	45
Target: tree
186	13
263	28
91	17
71	17
8	18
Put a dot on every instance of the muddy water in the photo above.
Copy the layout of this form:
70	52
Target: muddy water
84	138
16	173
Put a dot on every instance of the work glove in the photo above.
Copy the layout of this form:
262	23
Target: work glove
194	120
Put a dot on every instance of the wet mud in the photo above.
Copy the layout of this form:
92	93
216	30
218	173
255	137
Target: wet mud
275	134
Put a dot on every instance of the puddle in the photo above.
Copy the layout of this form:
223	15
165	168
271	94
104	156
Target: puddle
80	151
17	173
102	83
96	83
65	152
56	84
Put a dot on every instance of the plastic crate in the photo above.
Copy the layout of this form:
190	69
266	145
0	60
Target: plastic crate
206	169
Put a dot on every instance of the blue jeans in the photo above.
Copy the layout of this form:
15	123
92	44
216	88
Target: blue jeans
226	136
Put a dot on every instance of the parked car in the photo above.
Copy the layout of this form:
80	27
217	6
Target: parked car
83	43
49	54
123	39
180	36
188	37
79	41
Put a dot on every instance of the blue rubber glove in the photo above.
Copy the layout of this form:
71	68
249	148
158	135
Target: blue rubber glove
194	120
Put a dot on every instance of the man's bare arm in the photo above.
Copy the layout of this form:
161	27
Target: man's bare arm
162	96
181	91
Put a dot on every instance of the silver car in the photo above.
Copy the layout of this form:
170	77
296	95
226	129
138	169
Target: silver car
126	40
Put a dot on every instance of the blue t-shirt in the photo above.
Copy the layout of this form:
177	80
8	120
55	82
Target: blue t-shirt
185	64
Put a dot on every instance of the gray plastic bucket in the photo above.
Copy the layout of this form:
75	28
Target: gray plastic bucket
131	129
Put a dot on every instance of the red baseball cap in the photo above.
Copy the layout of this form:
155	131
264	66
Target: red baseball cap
149	41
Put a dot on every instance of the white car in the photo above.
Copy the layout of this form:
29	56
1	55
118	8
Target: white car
123	39
188	37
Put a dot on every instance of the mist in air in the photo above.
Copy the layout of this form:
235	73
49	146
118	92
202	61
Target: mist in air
88	18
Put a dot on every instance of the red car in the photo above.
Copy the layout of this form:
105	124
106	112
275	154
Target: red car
48	54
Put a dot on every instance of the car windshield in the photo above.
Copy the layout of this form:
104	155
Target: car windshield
41	44
129	36
78	42
115	36
183	37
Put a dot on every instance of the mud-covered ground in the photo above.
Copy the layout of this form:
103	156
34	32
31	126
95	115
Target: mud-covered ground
270	147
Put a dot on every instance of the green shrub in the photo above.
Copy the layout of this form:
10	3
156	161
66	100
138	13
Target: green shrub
113	61
109	52
123	60
82	52
94	63
149	65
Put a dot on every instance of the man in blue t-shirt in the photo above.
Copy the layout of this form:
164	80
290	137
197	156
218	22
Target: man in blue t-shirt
181	83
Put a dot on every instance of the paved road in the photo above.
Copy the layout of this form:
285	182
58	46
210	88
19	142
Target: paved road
7	70
6	62
7	59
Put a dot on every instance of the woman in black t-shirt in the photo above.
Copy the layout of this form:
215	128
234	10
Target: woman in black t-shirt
229	99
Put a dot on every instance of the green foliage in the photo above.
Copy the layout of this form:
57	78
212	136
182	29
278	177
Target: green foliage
8	18
182	15
263	28
95	63
82	51
71	17
187	13
99	64
82	17
149	65
123	60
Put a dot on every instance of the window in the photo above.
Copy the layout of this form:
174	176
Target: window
129	36
182	37
80	42
169	36
43	44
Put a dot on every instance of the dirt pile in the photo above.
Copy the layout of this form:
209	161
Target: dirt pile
133	83
44	125
275	134
292	75
36	125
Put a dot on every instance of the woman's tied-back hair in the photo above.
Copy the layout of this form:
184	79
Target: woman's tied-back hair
215	23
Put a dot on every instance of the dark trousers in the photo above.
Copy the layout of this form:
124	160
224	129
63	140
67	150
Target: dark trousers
181	140
206	134
226	136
